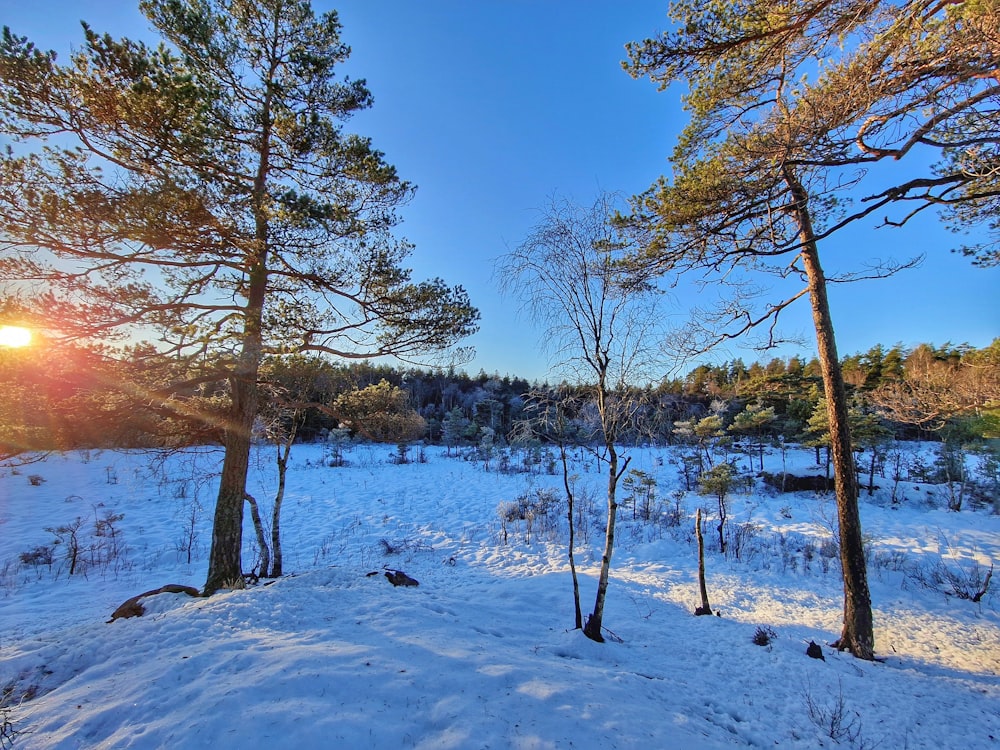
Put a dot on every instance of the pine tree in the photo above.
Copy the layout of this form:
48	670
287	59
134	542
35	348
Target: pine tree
206	190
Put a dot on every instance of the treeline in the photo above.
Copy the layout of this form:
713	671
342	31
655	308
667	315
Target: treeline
76	397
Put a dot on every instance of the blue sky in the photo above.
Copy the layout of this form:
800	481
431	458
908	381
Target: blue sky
494	106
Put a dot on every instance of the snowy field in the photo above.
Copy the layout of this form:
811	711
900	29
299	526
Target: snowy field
482	653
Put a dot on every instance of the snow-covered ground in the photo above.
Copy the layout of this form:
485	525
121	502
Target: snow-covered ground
482	653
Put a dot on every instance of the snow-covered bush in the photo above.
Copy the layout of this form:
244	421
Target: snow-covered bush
969	582
538	509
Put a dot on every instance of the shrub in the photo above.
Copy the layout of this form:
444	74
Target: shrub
718	482
835	720
673	515
8	732
763	635
68	535
970	584
536	508
793	483
40	555
641	489
740	540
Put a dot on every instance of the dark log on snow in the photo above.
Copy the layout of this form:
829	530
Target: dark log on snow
133	607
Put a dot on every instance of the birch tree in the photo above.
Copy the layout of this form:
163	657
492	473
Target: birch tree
600	325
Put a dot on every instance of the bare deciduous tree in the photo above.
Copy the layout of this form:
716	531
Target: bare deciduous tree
600	324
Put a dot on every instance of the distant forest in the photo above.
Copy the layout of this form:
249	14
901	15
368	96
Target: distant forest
81	398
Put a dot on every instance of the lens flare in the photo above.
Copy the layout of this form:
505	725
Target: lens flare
14	336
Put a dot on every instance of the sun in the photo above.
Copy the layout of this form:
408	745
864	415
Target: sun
14	336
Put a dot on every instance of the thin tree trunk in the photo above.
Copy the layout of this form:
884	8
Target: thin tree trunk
858	634
258	526
704	609
596	620
722	523
283	452
279	496
570	502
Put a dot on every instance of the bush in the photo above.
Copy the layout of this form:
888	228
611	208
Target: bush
674	514
740	540
9	698
538	509
835	719
969	584
792	483
104	550
641	494
40	555
763	635
8	733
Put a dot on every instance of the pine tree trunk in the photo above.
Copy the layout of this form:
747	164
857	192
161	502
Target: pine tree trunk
225	557
858	633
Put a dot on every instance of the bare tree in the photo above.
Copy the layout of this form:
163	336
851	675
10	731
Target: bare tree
550	421
600	324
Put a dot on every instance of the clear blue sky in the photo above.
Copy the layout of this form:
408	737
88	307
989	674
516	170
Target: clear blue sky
493	106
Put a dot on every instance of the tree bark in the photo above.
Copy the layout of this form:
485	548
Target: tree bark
595	622
225	564
577	611
704	609
277	568
258	527
722	523
858	634
596	619
225	560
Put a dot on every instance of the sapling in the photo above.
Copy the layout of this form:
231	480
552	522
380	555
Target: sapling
68	535
718	481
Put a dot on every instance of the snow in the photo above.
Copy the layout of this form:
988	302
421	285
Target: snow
482	653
